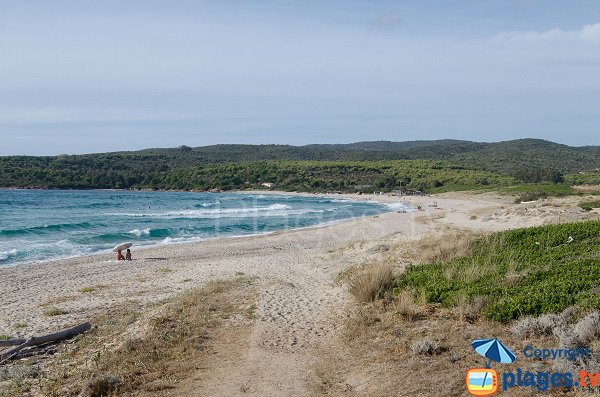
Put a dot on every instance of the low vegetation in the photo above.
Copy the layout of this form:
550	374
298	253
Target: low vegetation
92	288
425	347
513	272
445	248
544	325
55	311
584	178
405	306
534	286
536	191
590	205
528	286
130	351
371	282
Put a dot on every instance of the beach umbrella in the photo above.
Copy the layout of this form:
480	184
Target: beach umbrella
122	246
493	350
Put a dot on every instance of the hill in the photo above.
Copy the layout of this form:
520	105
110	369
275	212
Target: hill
504	157
372	165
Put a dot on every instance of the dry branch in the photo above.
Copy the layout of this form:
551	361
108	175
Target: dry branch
12	342
42	340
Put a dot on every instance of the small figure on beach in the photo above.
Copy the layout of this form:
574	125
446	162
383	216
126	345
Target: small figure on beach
118	250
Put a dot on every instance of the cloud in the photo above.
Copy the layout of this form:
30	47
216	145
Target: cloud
388	20
272	75
588	33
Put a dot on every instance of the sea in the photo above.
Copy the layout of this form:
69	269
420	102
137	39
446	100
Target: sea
42	225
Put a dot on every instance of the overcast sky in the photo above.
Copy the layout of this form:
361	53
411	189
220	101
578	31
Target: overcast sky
87	76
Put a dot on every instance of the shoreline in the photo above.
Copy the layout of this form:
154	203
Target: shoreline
30	288
193	240
309	258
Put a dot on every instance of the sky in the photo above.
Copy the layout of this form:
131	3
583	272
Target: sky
92	76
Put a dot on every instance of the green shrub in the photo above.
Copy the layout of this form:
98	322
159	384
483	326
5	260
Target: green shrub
531	196
590	205
528	271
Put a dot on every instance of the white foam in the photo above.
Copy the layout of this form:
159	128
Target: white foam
396	206
4	255
38	251
139	233
178	240
268	211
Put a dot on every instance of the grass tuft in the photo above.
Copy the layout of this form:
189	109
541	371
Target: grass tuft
370	283
444	248
55	311
99	386
404	304
425	347
92	288
588	328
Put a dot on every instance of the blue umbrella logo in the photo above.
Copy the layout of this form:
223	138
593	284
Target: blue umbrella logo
484	382
493	350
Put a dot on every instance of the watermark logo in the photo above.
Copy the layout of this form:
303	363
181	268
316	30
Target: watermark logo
481	381
484	381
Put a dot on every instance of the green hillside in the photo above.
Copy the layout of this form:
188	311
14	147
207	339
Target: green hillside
431	165
501	157
146	172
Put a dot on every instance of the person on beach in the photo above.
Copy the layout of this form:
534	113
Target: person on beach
128	254
119	256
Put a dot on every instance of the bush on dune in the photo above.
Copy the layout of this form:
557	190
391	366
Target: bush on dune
372	282
515	270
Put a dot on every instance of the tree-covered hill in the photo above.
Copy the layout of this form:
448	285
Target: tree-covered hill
515	157
348	167
139	172
502	157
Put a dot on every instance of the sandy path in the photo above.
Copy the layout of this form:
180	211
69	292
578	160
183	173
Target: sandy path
298	313
299	305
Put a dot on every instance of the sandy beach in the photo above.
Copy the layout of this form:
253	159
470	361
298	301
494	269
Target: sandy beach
299	299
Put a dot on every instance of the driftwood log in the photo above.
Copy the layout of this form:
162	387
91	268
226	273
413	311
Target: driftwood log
12	342
41	340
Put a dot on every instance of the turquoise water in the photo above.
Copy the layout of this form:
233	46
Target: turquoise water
38	225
